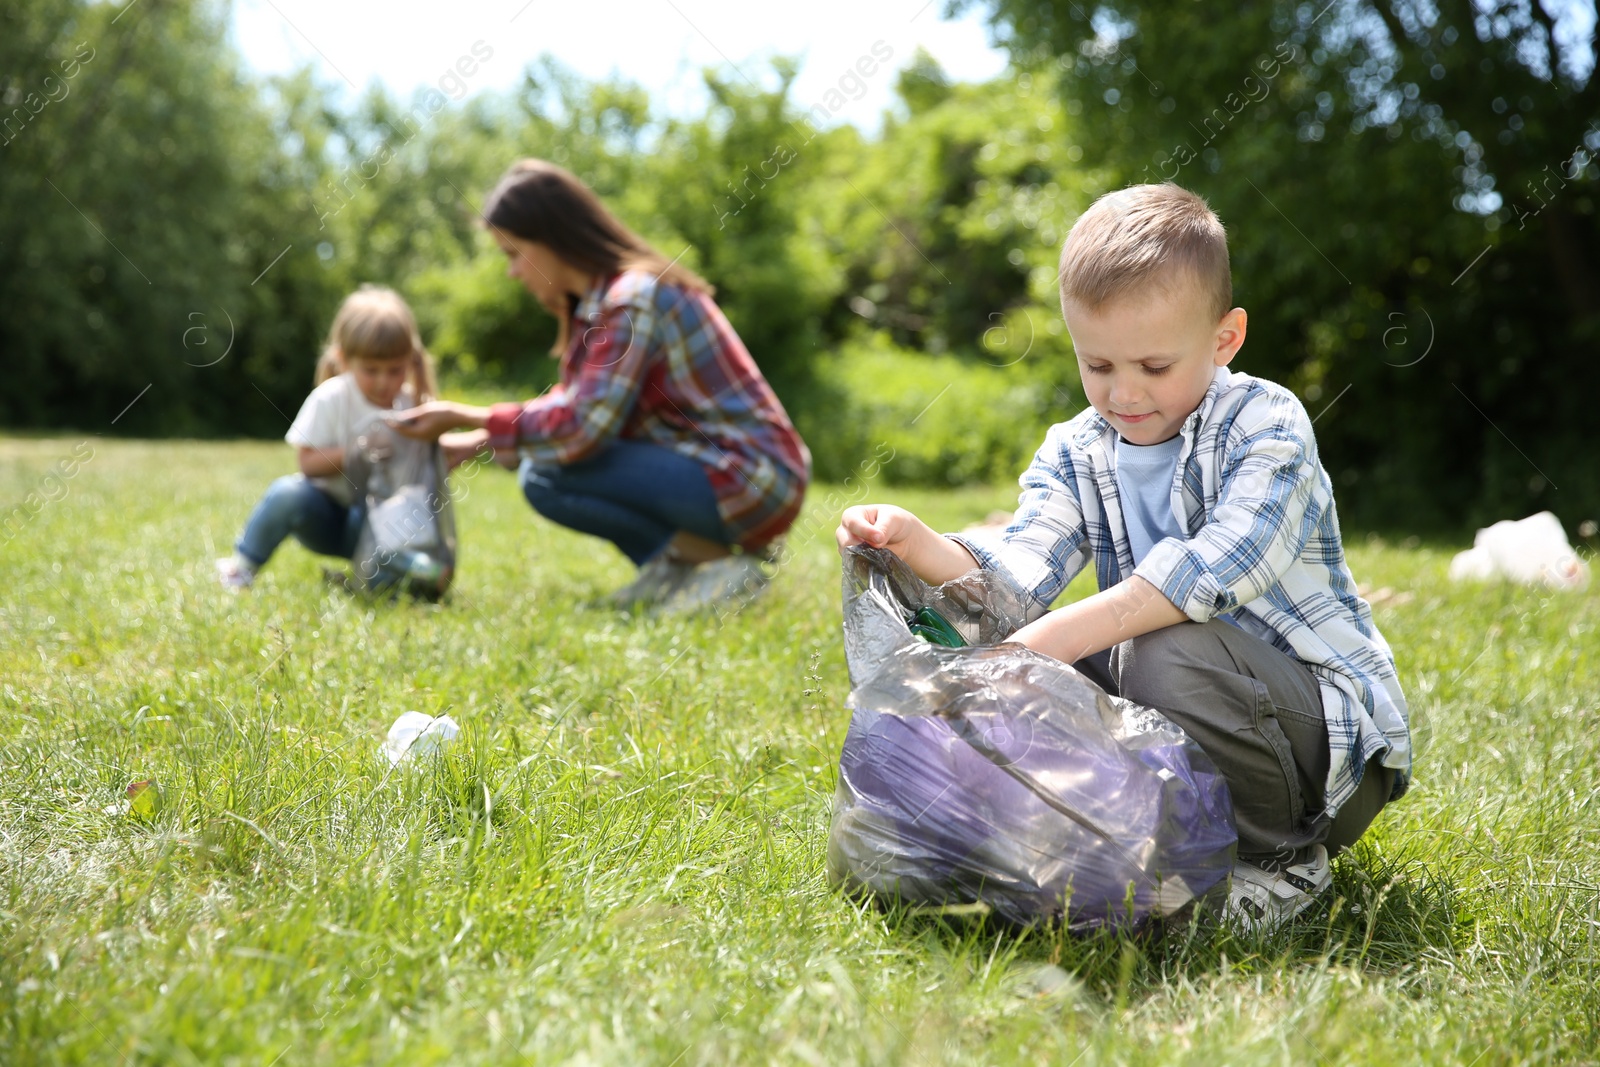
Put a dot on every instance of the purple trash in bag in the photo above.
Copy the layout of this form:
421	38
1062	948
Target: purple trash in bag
996	775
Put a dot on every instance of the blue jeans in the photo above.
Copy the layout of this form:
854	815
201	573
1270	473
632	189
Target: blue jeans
635	495
292	505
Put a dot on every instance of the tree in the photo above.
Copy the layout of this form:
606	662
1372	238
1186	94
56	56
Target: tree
1410	195
157	265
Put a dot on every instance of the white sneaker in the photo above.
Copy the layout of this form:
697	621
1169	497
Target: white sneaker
234	573
655	581
727	580
1262	902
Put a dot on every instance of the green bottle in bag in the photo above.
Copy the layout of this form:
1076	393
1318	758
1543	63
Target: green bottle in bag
935	628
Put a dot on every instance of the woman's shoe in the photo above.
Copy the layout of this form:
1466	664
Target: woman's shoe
656	580
731	580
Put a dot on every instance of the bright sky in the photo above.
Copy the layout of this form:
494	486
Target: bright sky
660	44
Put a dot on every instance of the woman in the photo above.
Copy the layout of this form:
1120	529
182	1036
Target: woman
661	436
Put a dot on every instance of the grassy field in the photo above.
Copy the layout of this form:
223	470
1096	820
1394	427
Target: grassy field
622	861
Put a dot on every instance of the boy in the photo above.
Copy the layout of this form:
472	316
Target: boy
1224	596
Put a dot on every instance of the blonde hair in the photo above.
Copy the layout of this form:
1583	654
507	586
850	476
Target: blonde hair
1147	235
375	323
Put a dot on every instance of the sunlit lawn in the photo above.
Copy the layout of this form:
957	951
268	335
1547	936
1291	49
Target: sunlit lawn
622	861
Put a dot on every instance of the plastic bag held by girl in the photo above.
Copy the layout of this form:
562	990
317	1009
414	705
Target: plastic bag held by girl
998	776
409	538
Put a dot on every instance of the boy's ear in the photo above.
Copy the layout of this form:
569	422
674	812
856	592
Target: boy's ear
1230	336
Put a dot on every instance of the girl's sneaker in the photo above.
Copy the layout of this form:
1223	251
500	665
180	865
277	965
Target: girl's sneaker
235	574
1262	902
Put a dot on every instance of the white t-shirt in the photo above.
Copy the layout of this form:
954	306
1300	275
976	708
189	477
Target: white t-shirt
333	417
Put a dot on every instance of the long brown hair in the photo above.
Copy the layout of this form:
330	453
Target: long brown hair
539	201
374	322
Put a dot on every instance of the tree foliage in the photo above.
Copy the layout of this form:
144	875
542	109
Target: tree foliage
149	225
1410	191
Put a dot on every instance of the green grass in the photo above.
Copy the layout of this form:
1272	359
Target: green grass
622	861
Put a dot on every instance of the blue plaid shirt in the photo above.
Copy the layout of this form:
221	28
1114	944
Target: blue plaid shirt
1263	549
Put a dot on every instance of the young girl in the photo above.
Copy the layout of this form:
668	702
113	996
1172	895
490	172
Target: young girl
373	364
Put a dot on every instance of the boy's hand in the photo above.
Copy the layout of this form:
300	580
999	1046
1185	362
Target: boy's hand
879	526
932	558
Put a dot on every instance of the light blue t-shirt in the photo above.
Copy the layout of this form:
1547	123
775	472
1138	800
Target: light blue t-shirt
1144	481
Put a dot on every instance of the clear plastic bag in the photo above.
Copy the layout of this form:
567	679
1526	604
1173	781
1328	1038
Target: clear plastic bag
408	540
994	775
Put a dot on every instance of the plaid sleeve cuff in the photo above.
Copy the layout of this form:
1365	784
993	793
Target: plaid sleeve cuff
502	425
990	550
985	554
1184	577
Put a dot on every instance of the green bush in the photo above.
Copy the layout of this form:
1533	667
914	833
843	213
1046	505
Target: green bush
947	420
483	328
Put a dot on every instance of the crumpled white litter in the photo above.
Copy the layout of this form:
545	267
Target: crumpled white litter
1532	551
415	734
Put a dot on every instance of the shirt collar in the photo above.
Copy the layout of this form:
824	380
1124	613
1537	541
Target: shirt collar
589	305
1219	385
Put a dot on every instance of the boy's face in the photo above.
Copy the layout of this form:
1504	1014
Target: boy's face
1147	360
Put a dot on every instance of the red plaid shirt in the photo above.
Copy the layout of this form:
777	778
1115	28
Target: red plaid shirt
653	362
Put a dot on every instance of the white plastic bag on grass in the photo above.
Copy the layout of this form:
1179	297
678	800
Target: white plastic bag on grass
1532	551
416	734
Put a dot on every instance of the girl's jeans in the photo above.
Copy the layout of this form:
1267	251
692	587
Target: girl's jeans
635	495
292	505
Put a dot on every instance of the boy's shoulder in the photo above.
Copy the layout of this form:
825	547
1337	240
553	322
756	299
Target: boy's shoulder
1240	403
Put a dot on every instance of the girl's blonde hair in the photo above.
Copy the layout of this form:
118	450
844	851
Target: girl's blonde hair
375	323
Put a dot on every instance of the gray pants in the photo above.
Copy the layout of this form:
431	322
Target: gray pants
1258	714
